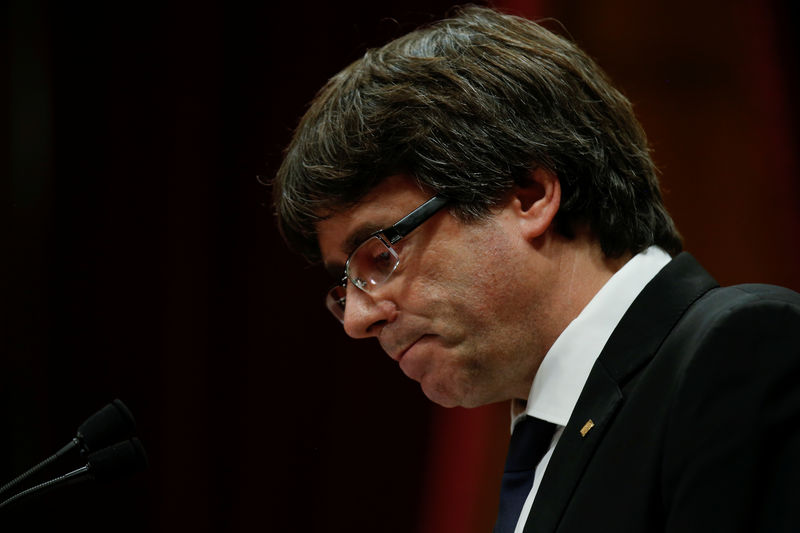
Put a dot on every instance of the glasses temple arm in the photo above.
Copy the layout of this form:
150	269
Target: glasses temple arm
411	221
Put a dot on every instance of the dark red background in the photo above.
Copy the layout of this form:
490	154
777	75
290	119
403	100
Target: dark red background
141	260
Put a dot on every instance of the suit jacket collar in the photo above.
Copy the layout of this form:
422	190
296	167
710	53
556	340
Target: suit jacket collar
633	344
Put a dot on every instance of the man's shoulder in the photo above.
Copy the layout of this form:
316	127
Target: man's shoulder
683	317
714	301
760	292
757	299
741	328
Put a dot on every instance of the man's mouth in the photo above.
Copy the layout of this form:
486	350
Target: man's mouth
397	355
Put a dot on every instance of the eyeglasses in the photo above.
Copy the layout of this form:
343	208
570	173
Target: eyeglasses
374	260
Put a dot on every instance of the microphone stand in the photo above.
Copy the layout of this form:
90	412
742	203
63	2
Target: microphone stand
75	476
74	443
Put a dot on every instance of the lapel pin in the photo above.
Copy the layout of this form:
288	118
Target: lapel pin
586	427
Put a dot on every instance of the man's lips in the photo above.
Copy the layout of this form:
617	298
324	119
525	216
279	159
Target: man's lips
414	360
398	355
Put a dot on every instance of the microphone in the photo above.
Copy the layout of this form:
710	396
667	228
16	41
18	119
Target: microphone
112	423
108	464
117	461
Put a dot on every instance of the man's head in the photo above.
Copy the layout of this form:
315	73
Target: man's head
548	183
467	106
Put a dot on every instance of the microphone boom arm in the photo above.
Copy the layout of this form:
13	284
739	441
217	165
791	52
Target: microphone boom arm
79	474
74	443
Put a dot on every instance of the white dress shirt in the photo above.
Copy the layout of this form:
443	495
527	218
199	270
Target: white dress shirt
564	370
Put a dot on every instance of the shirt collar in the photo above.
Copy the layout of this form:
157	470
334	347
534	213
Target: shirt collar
565	368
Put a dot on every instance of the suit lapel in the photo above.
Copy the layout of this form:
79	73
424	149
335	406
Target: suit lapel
599	401
631	346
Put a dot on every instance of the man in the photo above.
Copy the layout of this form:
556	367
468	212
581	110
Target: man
488	201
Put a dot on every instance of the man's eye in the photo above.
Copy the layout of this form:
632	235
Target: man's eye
383	260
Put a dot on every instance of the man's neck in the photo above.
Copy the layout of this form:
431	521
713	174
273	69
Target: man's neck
577	269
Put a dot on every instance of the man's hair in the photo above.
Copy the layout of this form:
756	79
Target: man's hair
468	106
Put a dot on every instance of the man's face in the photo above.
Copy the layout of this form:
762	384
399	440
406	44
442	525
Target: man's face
461	312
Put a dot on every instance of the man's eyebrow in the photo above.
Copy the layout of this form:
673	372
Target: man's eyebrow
336	269
358	236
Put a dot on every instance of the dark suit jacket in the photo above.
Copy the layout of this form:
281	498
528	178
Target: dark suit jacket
695	401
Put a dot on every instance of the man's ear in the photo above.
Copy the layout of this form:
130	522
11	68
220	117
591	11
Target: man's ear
536	202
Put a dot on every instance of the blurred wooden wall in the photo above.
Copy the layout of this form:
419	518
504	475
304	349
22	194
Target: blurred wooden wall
141	259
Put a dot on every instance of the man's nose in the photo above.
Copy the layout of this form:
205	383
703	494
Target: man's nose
365	314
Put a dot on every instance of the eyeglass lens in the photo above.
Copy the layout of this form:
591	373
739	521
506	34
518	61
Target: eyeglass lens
375	259
335	301
369	265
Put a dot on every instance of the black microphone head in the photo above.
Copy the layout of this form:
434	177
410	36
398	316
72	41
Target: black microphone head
112	423
118	460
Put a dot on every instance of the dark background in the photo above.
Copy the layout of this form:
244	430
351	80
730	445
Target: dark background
140	258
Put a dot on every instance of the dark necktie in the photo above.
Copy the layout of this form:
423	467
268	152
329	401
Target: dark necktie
529	442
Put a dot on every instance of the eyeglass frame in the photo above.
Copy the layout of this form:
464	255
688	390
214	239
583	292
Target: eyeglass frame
389	237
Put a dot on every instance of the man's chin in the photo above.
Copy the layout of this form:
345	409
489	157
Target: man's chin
441	395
